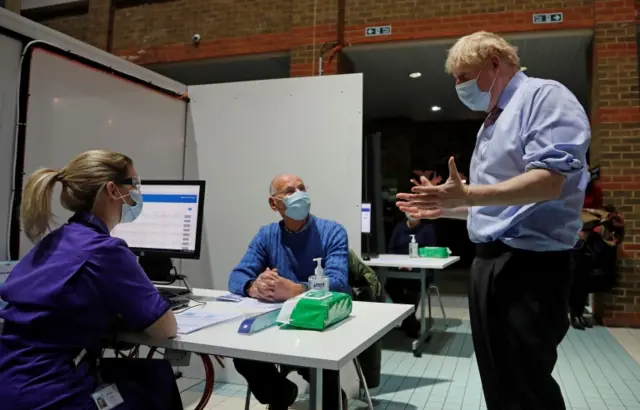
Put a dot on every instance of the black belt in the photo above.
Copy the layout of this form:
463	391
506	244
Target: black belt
493	249
496	248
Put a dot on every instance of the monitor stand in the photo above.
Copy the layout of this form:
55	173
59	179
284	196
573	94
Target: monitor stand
161	271
366	252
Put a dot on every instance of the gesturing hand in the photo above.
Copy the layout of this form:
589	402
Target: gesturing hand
428	201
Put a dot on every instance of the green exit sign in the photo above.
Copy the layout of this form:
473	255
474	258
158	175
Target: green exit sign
548	18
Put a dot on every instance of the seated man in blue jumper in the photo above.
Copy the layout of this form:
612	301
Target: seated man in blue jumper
276	267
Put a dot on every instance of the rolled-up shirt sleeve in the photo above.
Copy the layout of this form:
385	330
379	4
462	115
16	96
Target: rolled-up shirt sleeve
558	133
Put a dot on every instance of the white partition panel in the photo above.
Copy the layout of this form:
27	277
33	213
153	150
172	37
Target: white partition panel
10	50
74	108
239	136
246	133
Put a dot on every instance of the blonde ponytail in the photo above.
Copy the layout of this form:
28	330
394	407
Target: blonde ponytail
35	208
82	180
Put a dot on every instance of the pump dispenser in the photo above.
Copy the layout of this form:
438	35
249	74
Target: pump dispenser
318	281
413	247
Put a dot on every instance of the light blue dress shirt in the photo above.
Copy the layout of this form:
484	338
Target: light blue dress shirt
542	125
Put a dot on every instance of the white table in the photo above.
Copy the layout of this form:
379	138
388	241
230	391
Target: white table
328	350
424	264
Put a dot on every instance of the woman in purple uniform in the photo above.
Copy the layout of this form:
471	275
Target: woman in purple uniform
74	284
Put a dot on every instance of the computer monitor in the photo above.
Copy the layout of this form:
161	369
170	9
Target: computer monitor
365	222
170	226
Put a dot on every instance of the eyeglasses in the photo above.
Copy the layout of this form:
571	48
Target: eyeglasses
290	190
133	181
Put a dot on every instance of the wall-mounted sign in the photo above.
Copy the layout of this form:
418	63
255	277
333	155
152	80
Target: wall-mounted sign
548	18
377	31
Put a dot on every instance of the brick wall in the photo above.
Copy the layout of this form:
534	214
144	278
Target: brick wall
162	33
616	139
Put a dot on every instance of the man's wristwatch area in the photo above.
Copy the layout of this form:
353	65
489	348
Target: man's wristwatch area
247	287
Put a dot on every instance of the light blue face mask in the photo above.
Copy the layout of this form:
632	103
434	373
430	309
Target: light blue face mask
472	96
298	205
131	212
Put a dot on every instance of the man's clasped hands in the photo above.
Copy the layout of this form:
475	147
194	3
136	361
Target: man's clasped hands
272	287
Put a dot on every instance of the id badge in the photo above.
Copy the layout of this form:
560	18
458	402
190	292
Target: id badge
107	397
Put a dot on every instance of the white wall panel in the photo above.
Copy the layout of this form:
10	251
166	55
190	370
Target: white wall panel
243	134
10	51
74	108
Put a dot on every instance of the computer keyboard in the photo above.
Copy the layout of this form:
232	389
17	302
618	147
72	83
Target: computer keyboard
178	303
167	294
172	292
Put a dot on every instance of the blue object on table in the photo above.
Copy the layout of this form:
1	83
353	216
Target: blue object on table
259	322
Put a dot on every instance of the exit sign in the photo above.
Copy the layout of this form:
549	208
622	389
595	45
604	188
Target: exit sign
377	31
548	18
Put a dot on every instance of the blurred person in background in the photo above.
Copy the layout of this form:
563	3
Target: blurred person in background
407	290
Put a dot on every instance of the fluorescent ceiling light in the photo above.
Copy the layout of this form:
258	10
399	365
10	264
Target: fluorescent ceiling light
435	108
415	75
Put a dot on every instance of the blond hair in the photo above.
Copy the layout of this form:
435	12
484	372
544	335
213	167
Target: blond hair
82	179
476	49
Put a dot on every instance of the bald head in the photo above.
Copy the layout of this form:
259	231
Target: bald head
285	184
288	196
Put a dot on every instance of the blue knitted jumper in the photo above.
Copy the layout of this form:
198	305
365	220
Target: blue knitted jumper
292	254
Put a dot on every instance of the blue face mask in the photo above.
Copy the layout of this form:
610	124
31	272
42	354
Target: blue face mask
298	205
131	212
472	96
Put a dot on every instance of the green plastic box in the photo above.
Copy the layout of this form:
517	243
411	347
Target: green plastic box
316	310
433	252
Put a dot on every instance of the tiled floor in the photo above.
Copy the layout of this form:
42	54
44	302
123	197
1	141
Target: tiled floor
594	370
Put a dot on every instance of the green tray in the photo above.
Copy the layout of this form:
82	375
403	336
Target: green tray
433	252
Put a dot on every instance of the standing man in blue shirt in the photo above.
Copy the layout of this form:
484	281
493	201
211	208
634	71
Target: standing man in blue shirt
528	176
276	267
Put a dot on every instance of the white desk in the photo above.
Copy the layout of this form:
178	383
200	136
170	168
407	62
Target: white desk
329	350
424	264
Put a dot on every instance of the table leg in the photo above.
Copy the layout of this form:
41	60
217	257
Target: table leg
425	321
316	389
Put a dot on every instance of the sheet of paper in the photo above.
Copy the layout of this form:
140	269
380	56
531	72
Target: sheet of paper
192	320
260	304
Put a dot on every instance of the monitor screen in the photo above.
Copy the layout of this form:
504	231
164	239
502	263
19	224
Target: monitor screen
171	220
366	218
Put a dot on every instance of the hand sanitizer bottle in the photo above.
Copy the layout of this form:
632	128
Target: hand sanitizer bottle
318	281
413	247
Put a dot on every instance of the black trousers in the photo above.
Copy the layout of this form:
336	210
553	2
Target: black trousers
269	386
142	383
518	309
578	298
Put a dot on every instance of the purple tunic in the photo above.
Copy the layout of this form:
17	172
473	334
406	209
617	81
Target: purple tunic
64	296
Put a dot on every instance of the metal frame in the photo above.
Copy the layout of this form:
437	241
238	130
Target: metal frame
425	296
315	389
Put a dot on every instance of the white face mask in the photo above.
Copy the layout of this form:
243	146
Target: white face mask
130	213
472	96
